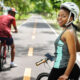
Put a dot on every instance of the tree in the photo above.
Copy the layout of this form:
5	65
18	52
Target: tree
22	6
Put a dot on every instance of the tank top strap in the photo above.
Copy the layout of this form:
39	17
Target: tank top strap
62	33
59	37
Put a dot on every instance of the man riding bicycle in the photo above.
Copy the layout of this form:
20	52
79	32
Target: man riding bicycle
5	31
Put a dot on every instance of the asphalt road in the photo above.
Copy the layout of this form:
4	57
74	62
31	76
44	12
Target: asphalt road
34	39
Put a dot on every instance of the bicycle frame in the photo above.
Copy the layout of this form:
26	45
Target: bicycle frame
2	54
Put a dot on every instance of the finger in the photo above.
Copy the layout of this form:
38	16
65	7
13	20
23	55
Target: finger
60	79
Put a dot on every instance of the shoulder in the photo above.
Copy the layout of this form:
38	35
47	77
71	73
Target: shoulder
3	16
11	17
69	32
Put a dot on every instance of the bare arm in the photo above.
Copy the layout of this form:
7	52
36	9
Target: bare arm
14	25
71	43
70	40
15	28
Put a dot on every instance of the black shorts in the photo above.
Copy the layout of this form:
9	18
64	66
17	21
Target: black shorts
56	73
9	41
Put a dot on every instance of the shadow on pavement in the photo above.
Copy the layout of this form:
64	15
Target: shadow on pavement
39	25
21	50
21	78
6	69
48	32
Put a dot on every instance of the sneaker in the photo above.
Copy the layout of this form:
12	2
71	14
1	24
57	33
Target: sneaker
12	65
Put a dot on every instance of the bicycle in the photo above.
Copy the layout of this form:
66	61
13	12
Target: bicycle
4	51
3	54
44	75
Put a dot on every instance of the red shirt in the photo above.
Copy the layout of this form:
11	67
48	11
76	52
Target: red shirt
5	25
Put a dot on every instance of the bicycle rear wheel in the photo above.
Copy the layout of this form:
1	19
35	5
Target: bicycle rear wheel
43	76
2	58
1	62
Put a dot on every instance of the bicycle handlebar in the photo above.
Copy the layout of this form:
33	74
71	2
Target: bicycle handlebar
41	61
48	57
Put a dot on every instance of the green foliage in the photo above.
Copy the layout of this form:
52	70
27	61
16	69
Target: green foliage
22	17
22	6
39	6
56	4
25	6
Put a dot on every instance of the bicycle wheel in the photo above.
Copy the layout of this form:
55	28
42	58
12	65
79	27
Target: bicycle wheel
2	59
43	76
1	62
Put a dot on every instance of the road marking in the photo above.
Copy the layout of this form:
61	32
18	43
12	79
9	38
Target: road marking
33	37
34	31
30	52
27	74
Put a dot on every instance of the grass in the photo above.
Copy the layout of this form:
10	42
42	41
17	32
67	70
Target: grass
52	21
22	16
22	19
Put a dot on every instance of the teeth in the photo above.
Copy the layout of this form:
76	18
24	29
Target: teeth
59	21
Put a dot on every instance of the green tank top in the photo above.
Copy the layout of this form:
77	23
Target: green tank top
61	53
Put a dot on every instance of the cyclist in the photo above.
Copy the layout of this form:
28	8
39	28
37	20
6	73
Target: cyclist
66	45
5	31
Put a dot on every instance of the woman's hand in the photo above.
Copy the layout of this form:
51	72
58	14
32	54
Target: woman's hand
63	77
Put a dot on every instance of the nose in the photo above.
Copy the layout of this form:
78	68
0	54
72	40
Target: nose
59	18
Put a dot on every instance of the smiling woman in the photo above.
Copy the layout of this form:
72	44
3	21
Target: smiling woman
66	45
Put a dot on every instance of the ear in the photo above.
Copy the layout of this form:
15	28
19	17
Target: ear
71	18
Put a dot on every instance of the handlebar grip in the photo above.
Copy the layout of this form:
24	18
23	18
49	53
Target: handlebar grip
40	62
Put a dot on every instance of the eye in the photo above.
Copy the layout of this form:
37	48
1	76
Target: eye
58	16
63	16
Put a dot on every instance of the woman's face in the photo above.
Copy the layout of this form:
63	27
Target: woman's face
62	17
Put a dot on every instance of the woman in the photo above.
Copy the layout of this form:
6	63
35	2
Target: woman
66	45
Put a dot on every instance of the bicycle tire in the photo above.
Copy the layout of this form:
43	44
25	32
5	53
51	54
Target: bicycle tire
1	62
2	59
42	75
